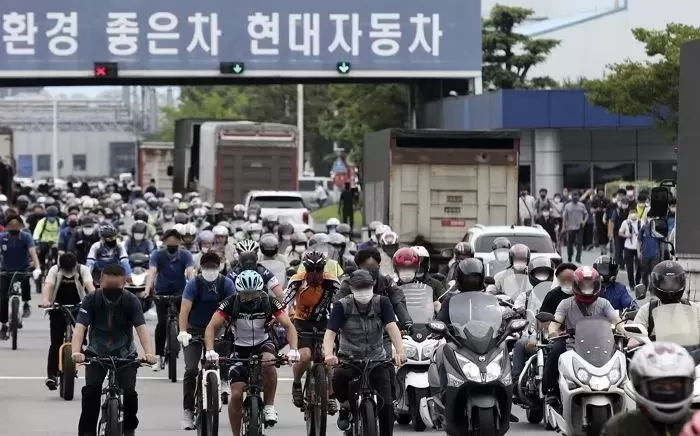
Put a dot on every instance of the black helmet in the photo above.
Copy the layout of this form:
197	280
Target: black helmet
269	245
470	275
668	281
607	268
314	261
285	229
540	270
108	231
141	215
139	227
181	218
52	211
361	279
463	250
500	242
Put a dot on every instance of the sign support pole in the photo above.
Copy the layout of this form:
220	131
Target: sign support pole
54	141
300	128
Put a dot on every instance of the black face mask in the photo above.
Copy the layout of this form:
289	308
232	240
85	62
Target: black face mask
112	294
374	271
112	243
73	224
14	232
172	249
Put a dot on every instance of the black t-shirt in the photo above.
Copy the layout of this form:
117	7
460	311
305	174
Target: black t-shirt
552	300
347	199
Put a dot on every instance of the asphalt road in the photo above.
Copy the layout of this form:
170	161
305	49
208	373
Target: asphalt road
28	408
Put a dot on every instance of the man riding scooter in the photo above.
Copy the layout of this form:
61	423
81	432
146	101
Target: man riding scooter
406	263
513	280
616	293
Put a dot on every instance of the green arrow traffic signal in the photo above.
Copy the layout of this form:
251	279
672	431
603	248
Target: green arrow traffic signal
232	67
343	67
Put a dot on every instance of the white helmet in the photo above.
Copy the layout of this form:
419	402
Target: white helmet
177	196
332	223
3	198
389	238
420	251
199	212
220	231
180	228
381	230
189	229
115	197
662	376
196	202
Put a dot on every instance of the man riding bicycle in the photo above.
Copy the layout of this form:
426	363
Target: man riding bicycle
248	261
66	284
46	235
310	294
107	251
250	311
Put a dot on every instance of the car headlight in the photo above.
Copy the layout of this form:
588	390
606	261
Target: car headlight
599	383
428	351
494	369
411	351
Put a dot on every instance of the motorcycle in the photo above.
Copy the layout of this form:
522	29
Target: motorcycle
591	375
139	268
470	375
413	376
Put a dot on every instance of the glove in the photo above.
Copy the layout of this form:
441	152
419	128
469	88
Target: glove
211	356
36	273
692	428
184	338
293	356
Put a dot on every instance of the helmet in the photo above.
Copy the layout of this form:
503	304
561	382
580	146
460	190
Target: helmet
52	211
607	268
332	224
285	229
668	281
381	230
463	250
662	376
337	240
238	211
138	204
344	229
181	218
177	196
470	275
115	197
206	205
3	198
183	206
199	212
314	261
41	200
500	242
108	231
318	239
540	270
189	230
220	231
389	242
373	226
586	284
405	258
361	279
219	207
248	282
153	202
255	230
269	245
206	236
141	215
139	227
519	256
196	202
168	209
247	245
424	256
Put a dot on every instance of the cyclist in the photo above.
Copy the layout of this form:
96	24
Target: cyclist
298	246
310	293
221	244
332	225
168	217
107	251
67	232
269	249
339	243
250	311
168	269
66	283
254	231
206	242
248	260
83	238
360	319
46	234
199	302
662	376
112	313
18	251
388	244
406	263
321	241
37	214
285	232
189	233
138	243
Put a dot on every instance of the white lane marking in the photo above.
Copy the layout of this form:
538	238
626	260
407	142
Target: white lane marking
10	377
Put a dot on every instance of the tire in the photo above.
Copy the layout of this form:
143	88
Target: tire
173	348
535	414
403	419
317	402
14	321
67	374
597	417
487	422
368	419
416	421
109	422
252	417
211	416
199	420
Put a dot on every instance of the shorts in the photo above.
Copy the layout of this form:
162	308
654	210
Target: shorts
303	325
239	371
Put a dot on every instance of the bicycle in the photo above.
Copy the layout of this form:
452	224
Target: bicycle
110	423
15	297
67	371
363	407
50	259
253	420
208	397
172	346
315	387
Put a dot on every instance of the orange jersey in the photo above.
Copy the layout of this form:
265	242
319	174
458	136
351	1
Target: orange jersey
308	298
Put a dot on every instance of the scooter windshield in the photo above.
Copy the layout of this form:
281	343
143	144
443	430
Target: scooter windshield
419	302
475	315
594	341
676	323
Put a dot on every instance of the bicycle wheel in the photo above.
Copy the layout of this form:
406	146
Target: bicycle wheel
110	424
211	416
316	401
199	420
173	347
67	373
368	418
14	321
253	419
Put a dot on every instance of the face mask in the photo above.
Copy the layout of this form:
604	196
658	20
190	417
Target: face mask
138	236
128	213
567	289
519	266
299	249
630	194
14	232
168	217
543	196
172	249
672	209
557	200
501	255
210	275
73	224
363	296
286	237
545	214
624	206
374	271
633	217
88	231
407	276
542	277
112	294
255	236
204	250
112	243
252	218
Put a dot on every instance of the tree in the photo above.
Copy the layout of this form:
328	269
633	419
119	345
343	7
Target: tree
649	87
508	56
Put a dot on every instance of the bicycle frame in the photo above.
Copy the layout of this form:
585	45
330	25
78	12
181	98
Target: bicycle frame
360	388
68	335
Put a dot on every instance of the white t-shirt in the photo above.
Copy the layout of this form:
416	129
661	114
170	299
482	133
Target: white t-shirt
52	275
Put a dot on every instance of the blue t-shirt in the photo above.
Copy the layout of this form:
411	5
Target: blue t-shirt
206	298
15	251
268	277
171	270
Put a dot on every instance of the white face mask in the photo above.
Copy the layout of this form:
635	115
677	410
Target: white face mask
286	237
541	277
519	266
210	274
204	249
567	289
501	255
545	214
255	236
633	217
252	218
88	231
407	275
128	213
363	296
138	236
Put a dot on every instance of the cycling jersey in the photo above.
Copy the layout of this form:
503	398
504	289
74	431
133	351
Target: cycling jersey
250	323
101	255
311	302
268	277
47	231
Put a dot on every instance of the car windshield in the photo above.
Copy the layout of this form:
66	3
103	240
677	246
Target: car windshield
278	202
536	243
594	341
476	312
419	302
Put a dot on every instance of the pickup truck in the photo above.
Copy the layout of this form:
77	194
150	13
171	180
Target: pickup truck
287	206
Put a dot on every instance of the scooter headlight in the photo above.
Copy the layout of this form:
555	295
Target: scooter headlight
494	369
428	351
411	351
472	372
582	375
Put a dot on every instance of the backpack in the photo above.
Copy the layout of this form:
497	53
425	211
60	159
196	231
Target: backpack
267	307
650	320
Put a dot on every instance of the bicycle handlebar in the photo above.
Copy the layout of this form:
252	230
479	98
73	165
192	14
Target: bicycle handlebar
13	273
114	361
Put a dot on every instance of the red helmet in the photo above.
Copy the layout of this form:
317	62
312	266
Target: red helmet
405	258
586	284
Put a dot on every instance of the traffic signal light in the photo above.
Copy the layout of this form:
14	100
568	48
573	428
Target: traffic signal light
105	70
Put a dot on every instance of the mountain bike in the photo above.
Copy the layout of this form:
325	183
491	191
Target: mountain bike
50	259
15	297
67	371
208	397
363	407
316	387
172	346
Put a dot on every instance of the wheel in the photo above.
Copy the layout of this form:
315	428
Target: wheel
416	421
368	419
316	401
211	416
199	420
534	414
110	424
403	418
173	347
487	422
67	374
252	417
597	417
14	321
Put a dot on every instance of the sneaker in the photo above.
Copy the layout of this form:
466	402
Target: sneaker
343	419
3	333
161	362
514	418
51	383
332	406
26	313
270	416
188	420
297	395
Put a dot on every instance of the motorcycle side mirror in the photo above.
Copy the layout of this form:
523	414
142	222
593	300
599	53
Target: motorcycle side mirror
294	263
544	317
447	252
437	327
488	280
636	329
640	291
518	325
